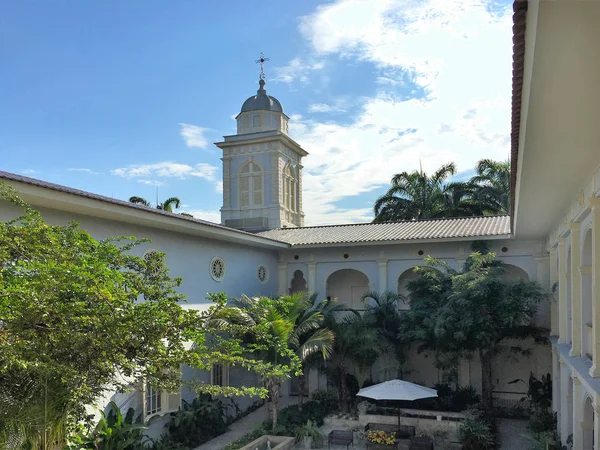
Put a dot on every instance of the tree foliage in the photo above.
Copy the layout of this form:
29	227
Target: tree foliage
81	317
458	314
417	195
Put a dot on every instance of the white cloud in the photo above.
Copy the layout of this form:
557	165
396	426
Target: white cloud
152	182
326	108
457	52
89	171
211	216
168	169
193	135
297	71
29	171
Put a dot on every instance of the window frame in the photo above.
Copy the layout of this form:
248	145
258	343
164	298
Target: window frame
224	374
252	188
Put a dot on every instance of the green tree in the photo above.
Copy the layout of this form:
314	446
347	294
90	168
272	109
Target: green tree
492	186
310	338
355	345
267	325
416	195
458	314
382	310
72	326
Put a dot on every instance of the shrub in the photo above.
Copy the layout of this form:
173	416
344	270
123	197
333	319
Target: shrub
246	439
542	421
113	432
475	435
328	399
198	421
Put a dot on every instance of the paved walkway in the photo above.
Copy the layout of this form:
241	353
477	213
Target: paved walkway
243	426
514	434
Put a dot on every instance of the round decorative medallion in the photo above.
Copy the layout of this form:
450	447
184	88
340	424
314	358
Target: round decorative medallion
262	273
217	268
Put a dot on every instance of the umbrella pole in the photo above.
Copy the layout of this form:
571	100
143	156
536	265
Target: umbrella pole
398	416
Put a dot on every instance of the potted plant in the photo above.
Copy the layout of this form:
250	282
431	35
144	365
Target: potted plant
310	435
381	440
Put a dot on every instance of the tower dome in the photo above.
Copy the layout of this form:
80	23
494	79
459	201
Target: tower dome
261	101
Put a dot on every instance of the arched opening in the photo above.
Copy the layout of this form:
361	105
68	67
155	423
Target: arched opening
514	273
348	286
298	283
250	185
403	292
587	424
586	295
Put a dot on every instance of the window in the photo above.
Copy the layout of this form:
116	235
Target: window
251	185
290	188
153	401
262	273
157	402
217	268
256	120
219	375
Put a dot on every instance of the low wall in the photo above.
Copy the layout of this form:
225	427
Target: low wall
428	422
277	443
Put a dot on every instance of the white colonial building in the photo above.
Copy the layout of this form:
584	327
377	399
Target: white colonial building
552	234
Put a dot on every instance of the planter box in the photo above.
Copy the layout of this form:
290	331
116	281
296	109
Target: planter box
373	446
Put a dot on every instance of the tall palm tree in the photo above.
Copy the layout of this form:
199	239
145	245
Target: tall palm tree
415	195
492	186
355	344
294	321
382	310
311	339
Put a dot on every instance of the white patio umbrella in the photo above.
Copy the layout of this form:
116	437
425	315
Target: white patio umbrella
397	390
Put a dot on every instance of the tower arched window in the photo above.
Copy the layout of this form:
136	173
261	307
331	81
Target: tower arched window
251	185
290	188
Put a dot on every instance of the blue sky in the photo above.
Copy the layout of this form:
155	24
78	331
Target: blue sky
122	98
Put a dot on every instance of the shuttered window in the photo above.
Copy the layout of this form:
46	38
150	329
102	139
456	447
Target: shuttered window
251	185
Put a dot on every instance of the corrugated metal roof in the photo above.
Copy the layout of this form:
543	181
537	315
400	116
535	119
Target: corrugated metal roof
452	228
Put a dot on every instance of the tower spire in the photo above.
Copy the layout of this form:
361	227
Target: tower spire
261	79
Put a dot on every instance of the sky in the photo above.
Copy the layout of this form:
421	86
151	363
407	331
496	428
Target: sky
125	98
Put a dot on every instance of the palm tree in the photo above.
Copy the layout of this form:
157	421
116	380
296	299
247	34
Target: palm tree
382	310
492	186
355	344
139	201
415	195
168	205
311	339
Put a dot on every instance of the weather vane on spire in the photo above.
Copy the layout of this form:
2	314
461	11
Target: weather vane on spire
262	60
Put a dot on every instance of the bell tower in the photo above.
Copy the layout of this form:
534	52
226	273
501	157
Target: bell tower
262	167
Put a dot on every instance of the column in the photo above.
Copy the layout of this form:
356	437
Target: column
577	416
283	285
565	410
382	275
596	427
595	207
555	381
312	277
553	299
543	315
575	290
563	315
